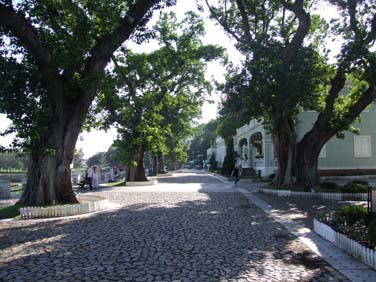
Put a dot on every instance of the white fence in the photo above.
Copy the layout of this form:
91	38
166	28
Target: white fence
317	195
362	253
88	204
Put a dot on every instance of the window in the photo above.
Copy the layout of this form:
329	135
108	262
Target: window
323	152
362	146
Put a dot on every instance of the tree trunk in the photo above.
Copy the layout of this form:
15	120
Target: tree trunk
308	151
285	143
155	165
161	163
48	182
137	173
173	163
49	173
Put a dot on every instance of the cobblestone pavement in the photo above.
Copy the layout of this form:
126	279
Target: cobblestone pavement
161	236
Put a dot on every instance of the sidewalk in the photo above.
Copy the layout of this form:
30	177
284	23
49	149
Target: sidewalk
299	210
296	215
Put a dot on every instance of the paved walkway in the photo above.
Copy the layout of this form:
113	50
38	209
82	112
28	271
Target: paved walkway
190	227
296	215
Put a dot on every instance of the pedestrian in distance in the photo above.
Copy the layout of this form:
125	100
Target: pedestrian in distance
235	174
89	177
95	177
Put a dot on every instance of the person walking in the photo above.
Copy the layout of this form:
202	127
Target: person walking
235	174
89	177
95	177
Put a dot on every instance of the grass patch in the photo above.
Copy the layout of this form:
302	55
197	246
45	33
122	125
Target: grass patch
10	211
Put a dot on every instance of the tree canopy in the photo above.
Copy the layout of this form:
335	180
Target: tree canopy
153	97
53	57
286	70
203	139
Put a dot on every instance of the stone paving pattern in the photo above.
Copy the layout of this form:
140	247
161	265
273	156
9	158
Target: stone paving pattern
160	236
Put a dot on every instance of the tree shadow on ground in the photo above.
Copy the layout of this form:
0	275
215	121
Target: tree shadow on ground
188	179
172	237
302	210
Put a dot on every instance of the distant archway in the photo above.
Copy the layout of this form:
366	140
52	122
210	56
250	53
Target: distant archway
243	148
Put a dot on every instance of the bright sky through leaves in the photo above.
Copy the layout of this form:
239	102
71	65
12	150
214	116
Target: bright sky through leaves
99	141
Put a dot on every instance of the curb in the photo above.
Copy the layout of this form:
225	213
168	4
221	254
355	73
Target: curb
337	258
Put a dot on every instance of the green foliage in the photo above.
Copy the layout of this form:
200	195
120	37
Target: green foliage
270	80
97	159
286	68
12	161
152	98
56	65
350	214
229	161
356	186
213	163
10	211
372	231
204	138
349	220
331	186
104	159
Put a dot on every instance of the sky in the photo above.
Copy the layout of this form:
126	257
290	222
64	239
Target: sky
99	141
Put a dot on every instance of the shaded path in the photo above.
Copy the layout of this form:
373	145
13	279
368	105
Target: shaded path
172	233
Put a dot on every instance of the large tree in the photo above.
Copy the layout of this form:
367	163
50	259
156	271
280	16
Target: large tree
279	72
284	71
156	100
352	86
53	56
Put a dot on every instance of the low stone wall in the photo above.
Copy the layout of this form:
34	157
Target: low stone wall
89	203
4	189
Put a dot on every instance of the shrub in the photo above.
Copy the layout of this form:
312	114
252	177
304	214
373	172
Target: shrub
350	214
329	186
372	231
356	186
213	163
229	160
271	176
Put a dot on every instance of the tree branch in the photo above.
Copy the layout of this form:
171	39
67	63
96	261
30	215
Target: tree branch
353	21
106	46
368	96
16	23
223	24
372	34
131	88
304	24
245	23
